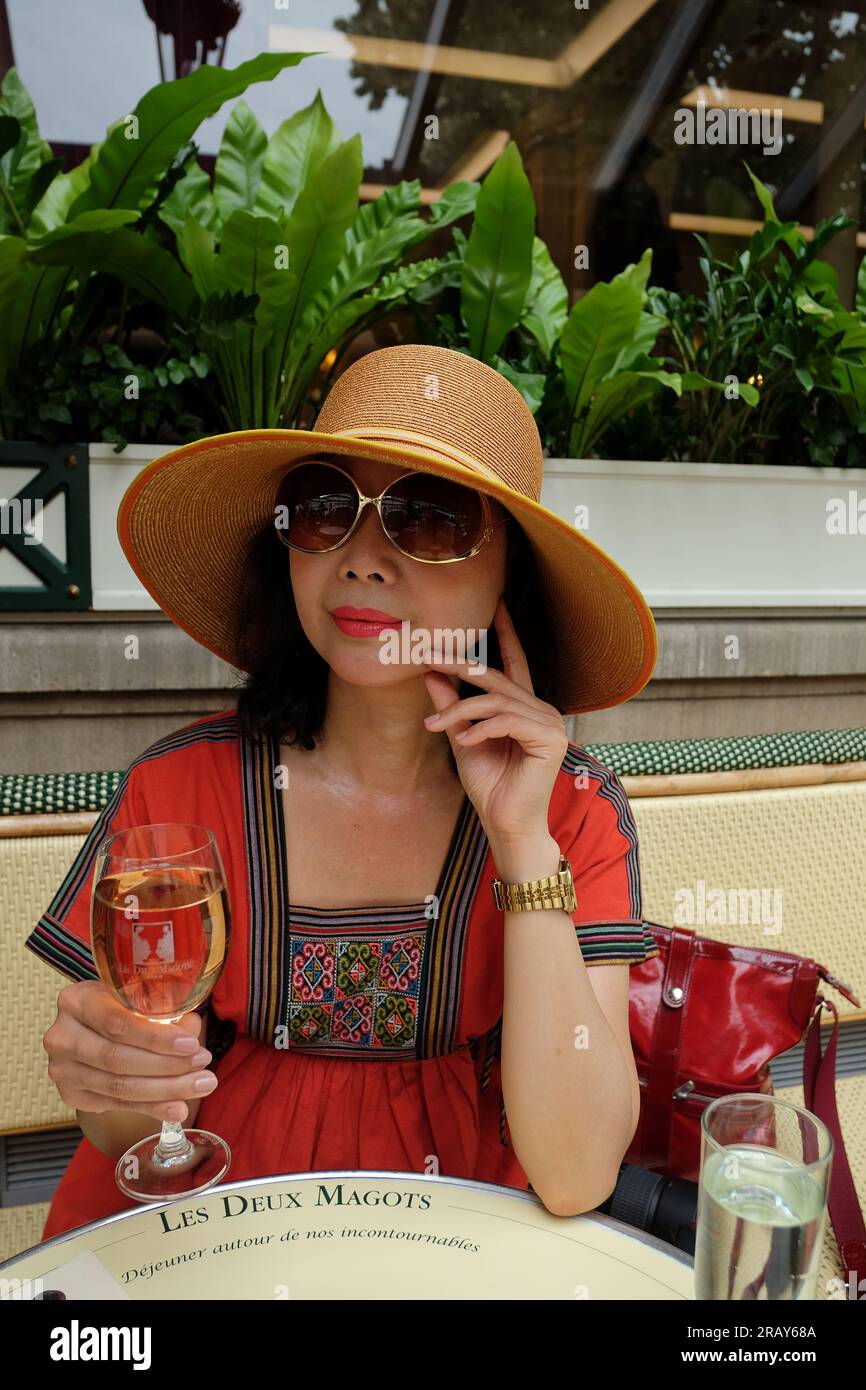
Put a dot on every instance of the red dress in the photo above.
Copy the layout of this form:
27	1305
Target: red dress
346	1038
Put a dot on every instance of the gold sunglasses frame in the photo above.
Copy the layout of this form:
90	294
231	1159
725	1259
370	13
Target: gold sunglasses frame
487	534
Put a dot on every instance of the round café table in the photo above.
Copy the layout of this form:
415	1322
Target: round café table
356	1234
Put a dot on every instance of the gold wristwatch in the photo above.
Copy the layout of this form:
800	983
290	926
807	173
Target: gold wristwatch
536	893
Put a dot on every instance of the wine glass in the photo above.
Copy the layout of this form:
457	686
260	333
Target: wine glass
160	929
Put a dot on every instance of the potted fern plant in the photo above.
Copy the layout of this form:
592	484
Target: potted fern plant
757	507
254	278
76	253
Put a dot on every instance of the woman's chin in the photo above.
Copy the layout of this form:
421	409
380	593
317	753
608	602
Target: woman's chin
367	667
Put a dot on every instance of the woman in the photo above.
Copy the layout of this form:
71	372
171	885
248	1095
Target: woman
378	1008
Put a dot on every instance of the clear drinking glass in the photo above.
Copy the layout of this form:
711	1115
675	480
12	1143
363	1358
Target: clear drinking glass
762	1199
160	928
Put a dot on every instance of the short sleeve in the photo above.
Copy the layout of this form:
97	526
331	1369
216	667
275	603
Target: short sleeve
62	935
602	847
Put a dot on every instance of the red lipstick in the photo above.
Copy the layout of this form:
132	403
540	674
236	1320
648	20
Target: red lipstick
363	622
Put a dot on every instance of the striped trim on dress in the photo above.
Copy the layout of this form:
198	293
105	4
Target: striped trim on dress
418	1022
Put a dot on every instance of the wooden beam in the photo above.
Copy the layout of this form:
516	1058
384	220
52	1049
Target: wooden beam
586	49
54	823
750	779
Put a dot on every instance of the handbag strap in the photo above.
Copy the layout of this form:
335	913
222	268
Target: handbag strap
664	1064
819	1095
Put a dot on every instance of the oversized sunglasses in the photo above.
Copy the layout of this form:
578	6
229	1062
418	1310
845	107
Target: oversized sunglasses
426	517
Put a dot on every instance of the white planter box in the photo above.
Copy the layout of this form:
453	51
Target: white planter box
691	535
115	585
721	535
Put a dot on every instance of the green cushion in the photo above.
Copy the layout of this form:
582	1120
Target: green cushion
39	793
732	754
42	792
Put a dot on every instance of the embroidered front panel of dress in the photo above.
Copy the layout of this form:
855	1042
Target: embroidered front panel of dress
356	979
377	983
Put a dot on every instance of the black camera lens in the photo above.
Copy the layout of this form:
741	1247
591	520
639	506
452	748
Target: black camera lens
664	1207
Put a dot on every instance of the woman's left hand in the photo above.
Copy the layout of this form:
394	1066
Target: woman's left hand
508	759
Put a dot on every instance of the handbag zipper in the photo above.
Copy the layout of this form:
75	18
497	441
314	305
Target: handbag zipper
687	1091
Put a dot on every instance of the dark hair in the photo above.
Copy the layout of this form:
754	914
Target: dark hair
285	691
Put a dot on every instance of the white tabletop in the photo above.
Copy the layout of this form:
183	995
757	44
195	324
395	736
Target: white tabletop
353	1234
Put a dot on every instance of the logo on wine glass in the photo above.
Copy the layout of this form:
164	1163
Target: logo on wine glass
153	943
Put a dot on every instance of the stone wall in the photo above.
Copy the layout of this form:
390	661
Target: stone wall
71	699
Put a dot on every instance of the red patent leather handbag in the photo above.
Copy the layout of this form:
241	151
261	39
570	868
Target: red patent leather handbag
706	1018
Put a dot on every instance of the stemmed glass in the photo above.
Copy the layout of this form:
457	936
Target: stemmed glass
160	929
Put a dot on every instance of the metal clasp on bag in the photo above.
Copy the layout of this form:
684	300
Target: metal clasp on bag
687	1091
682	1092
845	989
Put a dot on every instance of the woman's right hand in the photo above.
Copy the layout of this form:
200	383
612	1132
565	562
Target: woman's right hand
102	1056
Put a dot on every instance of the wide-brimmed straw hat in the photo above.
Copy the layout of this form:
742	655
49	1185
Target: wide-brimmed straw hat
187	521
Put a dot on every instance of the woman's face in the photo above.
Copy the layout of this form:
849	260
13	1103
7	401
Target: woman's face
367	571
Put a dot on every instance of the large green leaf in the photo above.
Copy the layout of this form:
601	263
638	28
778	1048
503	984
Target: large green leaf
852	329
249	261
11	219
773	231
648	329
35	278
696	381
612	399
197	250
637	274
529	384
600	326
126	171
317	229
29	297
498	263
546	308
21	160
39	183
391	289
191	197
376	238
381	232
456	201
239	162
99	220
444	276
765	197
397	204
133	259
826	230
296	150
53	207
807	305
861	289
767	238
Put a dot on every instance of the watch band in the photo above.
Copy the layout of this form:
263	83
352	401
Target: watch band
536	893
